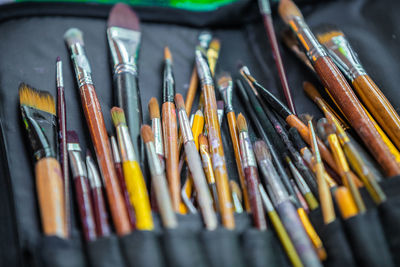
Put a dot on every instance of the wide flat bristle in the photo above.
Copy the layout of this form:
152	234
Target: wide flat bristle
287	10
121	15
261	150
41	100
326	32
224	79
236	189
215	44
179	102
72	137
203	141
167	54
118	116
147	134
241	123
154	108
220	104
73	36
310	90
329	128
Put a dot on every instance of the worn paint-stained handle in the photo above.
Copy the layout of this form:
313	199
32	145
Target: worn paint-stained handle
49	186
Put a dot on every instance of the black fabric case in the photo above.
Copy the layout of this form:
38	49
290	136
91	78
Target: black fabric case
32	38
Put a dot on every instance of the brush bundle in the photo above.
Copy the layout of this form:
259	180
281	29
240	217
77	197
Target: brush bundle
184	152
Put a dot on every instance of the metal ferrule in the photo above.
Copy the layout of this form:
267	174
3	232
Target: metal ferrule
248	158
226	92
115	150
187	134
304	189
203	69
344	57
168	83
153	159
313	48
267	202
157	131
125	144
81	65
265	7
59	74
92	173
274	183
124	45
75	158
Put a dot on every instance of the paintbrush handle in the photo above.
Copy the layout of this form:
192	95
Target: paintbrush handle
379	106
124	190
138	195
256	204
49	186
191	93
100	212
340	90
101	143
170	135
236	149
82	194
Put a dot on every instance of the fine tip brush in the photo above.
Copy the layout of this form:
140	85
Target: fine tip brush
155	117
39	116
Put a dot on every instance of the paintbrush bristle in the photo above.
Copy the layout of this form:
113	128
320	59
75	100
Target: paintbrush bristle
199	113
261	150
241	123
203	141
41	100
326	32
167	54
179	102
329	128
72	137
147	134
118	116
236	189
245	72
287	10
154	108
73	36
321	129
215	44
224	80
305	118
310	90
121	15
58	59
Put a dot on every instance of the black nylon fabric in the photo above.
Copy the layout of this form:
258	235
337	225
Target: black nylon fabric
104	252
33	39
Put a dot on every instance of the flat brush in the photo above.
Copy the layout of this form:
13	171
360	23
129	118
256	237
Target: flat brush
236	196
337	85
251	175
154	112
99	205
123	33
345	202
215	142
82	188
159	181
95	122
194	162
212	54
134	180
348	62
38	111
170	131
265	10
225	88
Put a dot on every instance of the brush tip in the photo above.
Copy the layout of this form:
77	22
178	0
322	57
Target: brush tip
325	32
121	15
224	80
167	54
329	128
199	113
58	59
305	118
179	102
118	116
215	44
154	108
72	137
287	10
41	100
241	123
203	141
73	36
147	134
261	150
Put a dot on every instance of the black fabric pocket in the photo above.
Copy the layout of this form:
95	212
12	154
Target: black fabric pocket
222	248
105	252
367	240
262	249
142	249
182	248
57	252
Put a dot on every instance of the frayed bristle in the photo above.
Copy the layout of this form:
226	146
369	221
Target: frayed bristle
118	116
121	15
179	102
287	10
235	188
154	108
73	36
220	104
261	150
215	44
72	137
41	100
147	134
305	118
241	123
326	32
167	54
224	80
320	128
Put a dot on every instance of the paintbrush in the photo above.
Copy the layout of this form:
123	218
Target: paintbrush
251	174
134	180
38	111
265	10
99	205
286	210
82	188
300	197
338	87
95	122
236	196
154	112
212	54
291	42
123	33
195	166
62	142
280	229
170	131
345	202
159	180
348	62
214	139
225	87
121	181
